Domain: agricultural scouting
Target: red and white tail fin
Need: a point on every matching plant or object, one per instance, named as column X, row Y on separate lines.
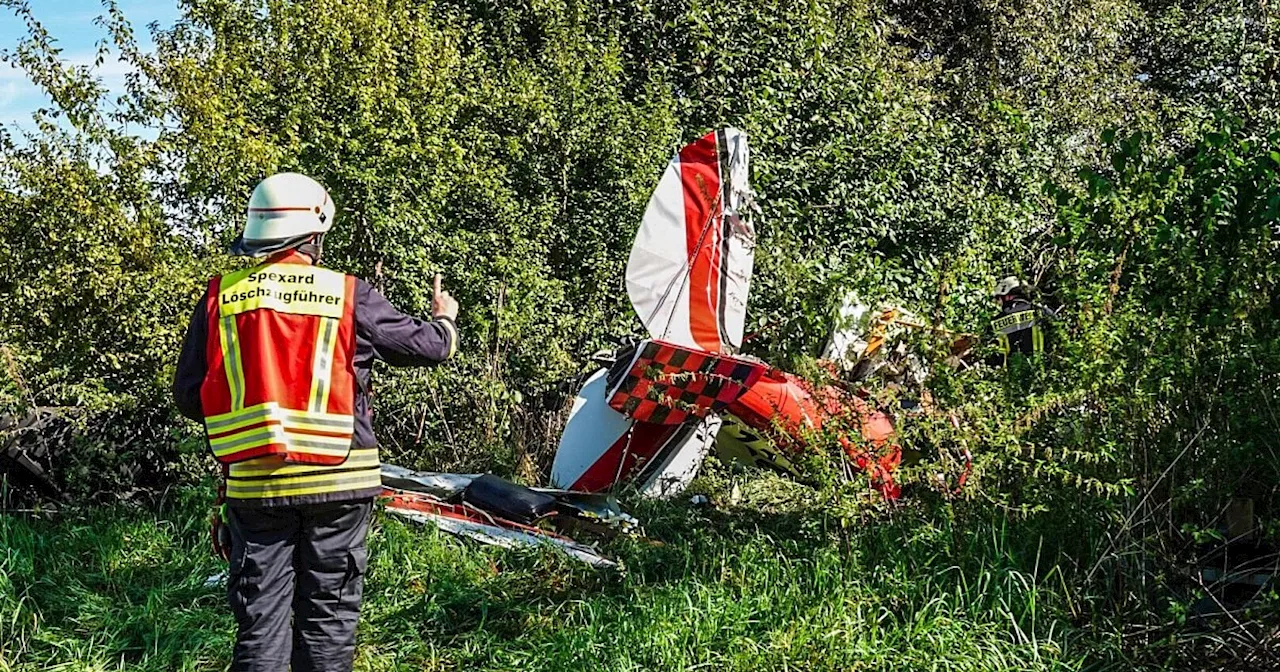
column 690, row 268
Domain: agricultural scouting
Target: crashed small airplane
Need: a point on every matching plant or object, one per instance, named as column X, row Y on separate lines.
column 649, row 418
column 646, row 420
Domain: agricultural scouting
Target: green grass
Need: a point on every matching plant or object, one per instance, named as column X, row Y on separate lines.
column 120, row 588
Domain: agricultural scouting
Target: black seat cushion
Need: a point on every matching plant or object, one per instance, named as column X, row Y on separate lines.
column 508, row 500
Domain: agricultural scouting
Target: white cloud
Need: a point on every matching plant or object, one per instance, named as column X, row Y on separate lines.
column 14, row 81
column 10, row 73
column 8, row 93
column 19, row 97
column 111, row 68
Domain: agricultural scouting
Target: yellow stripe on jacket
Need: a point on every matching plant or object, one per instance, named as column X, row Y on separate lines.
column 271, row 478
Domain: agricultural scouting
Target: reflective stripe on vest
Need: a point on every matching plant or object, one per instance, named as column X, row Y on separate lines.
column 322, row 364
column 272, row 403
column 1007, row 324
column 251, row 432
column 272, row 479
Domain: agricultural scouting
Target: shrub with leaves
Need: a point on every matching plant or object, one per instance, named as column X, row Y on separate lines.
column 900, row 153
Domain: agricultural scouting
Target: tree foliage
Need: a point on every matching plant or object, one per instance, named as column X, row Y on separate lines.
column 901, row 151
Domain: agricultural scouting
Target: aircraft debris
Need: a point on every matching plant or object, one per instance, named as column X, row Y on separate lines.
column 494, row 511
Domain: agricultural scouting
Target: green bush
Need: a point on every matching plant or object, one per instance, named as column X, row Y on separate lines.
column 900, row 152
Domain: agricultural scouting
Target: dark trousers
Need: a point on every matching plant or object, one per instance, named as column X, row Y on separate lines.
column 307, row 561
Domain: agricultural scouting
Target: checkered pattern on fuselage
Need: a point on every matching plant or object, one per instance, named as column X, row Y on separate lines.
column 669, row 384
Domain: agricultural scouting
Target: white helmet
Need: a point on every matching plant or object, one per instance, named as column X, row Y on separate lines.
column 285, row 211
column 1007, row 286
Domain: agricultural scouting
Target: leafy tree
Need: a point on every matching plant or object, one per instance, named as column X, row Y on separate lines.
column 900, row 150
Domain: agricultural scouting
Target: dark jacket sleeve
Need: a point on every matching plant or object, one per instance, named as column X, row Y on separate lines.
column 191, row 365
column 398, row 339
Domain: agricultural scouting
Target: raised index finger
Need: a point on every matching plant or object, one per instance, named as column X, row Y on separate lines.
column 437, row 284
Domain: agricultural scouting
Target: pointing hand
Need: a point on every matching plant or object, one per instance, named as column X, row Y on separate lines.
column 442, row 304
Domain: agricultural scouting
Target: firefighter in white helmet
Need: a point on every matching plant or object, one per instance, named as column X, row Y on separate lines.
column 276, row 365
column 286, row 211
column 1020, row 326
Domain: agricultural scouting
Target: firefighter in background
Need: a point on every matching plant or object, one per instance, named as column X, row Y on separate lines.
column 276, row 366
column 1020, row 326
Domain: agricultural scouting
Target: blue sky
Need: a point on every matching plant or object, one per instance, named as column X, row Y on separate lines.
column 71, row 23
